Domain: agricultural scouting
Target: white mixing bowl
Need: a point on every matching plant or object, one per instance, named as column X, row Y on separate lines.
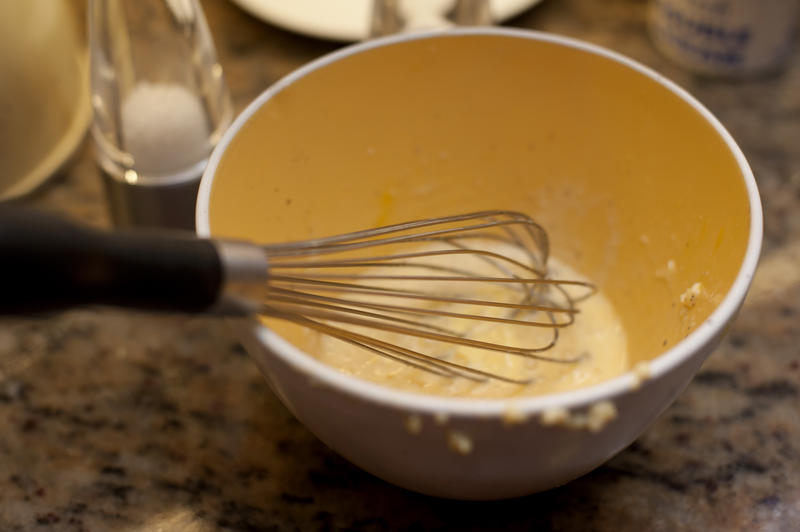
column 638, row 185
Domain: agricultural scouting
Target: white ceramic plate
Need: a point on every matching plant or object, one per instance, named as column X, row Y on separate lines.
column 343, row 20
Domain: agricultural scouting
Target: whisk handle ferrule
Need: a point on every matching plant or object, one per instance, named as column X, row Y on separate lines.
column 245, row 270
column 49, row 264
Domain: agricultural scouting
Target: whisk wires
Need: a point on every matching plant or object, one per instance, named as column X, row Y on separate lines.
column 431, row 279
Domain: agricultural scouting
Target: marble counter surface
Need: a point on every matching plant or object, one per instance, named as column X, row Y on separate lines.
column 121, row 421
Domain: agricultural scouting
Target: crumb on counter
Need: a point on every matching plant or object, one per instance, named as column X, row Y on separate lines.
column 440, row 418
column 413, row 424
column 689, row 297
column 459, row 442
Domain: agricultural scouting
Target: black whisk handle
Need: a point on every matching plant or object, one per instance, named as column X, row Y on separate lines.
column 49, row 263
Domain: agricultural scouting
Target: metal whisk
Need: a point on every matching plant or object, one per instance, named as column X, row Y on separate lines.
column 320, row 284
column 431, row 279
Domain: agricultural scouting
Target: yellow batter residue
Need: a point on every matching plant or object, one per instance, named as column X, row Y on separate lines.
column 596, row 337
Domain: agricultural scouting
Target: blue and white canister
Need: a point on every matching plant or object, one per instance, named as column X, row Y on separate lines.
column 725, row 37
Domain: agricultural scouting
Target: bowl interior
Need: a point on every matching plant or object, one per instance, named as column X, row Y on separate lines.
column 635, row 187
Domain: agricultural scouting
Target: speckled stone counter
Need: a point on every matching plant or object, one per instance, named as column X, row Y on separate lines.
column 112, row 420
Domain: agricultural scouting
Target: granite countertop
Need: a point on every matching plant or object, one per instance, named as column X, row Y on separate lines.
column 122, row 421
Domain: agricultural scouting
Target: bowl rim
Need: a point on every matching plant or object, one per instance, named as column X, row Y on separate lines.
column 322, row 374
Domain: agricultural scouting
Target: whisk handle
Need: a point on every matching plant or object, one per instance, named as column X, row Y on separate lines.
column 49, row 263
